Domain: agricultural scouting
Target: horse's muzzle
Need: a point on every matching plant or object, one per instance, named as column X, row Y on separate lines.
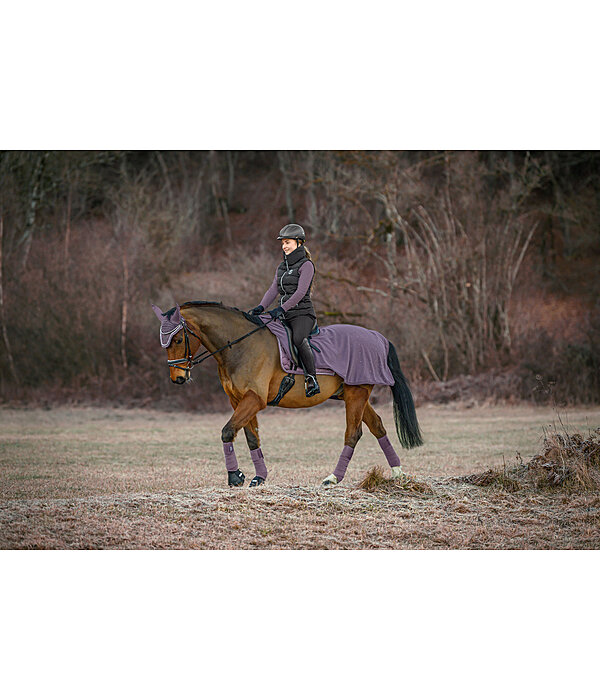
column 179, row 380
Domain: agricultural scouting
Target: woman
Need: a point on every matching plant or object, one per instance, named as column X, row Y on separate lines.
column 292, row 281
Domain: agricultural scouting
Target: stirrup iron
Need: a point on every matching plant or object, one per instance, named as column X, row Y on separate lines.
column 315, row 389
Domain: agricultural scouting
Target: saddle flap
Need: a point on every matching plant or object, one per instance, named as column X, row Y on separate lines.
column 293, row 352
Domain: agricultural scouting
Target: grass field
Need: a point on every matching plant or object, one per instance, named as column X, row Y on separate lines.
column 104, row 478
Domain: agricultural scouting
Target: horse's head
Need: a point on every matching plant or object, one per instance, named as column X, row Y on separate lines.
column 180, row 342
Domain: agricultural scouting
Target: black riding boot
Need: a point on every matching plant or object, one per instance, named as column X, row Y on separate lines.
column 310, row 376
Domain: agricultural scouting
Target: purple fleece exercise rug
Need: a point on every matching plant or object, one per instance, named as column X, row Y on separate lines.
column 357, row 355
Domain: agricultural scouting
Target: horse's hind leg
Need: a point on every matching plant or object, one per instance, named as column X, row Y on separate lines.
column 253, row 440
column 356, row 398
column 245, row 410
column 375, row 425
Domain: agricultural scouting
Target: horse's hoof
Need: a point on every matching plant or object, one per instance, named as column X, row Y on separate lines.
column 397, row 473
column 236, row 478
column 257, row 481
column 331, row 480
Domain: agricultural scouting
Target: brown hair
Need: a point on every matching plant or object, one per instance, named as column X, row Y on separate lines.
column 308, row 255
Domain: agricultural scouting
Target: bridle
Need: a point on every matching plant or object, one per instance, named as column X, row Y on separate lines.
column 188, row 361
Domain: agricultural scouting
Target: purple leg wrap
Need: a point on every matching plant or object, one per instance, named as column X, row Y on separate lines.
column 389, row 451
column 230, row 458
column 343, row 462
column 259, row 462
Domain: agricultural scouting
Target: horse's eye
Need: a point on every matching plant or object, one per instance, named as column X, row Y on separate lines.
column 179, row 340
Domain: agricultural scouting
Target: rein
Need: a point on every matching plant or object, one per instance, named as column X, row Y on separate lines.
column 189, row 362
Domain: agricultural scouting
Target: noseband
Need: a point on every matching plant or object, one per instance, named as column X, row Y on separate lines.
column 188, row 361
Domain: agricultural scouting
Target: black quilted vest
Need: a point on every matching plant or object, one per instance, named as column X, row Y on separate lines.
column 287, row 283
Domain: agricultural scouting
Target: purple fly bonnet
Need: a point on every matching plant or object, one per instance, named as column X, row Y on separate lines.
column 168, row 326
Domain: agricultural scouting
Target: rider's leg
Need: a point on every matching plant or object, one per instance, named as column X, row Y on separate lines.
column 301, row 327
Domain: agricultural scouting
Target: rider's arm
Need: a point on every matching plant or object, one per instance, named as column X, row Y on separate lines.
column 307, row 272
column 270, row 294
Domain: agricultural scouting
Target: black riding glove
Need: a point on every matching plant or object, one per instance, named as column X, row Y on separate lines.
column 256, row 310
column 277, row 312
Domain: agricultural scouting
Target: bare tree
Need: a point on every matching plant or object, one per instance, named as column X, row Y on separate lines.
column 221, row 203
column 11, row 362
column 284, row 166
column 463, row 267
column 34, row 201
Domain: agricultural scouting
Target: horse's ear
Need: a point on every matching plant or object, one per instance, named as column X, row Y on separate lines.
column 158, row 312
column 176, row 317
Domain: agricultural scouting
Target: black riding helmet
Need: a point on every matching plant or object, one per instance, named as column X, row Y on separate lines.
column 292, row 231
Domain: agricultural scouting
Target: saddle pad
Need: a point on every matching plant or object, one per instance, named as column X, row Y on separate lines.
column 356, row 354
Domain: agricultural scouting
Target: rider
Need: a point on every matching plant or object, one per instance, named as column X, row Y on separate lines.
column 292, row 281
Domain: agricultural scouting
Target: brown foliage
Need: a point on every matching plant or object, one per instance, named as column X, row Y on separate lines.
column 568, row 461
column 436, row 250
column 375, row 481
column 492, row 477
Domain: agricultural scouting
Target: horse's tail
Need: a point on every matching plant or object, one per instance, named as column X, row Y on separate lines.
column 405, row 416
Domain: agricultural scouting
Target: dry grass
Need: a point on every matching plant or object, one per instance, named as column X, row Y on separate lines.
column 376, row 481
column 95, row 478
column 569, row 461
column 492, row 477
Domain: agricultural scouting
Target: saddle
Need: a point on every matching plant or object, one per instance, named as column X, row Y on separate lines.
column 293, row 350
column 288, row 381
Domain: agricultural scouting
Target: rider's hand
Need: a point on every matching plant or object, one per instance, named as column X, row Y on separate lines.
column 256, row 310
column 278, row 312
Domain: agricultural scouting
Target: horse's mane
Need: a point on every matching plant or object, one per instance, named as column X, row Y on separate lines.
column 218, row 304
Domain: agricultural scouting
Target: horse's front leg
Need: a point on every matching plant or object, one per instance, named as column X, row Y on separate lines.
column 253, row 440
column 244, row 412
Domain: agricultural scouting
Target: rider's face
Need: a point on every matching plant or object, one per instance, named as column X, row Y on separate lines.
column 288, row 245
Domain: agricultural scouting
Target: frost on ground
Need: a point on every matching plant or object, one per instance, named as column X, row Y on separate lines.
column 453, row 515
column 98, row 479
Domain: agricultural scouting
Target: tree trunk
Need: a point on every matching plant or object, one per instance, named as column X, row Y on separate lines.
column 165, row 172
column 34, row 200
column 231, row 177
column 68, row 228
column 124, row 307
column 221, row 206
column 310, row 193
column 11, row 363
column 284, row 167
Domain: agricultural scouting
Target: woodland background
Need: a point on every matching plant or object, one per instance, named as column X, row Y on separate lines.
column 482, row 267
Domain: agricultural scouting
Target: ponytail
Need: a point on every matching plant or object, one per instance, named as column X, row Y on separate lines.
column 308, row 255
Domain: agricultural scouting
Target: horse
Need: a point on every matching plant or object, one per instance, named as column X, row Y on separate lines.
column 251, row 375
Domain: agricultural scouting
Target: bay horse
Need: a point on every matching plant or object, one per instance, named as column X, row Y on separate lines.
column 251, row 375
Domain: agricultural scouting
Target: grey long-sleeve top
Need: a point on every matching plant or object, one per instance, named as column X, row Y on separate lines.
column 307, row 272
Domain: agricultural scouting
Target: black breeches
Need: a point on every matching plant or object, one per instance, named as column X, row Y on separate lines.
column 301, row 326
